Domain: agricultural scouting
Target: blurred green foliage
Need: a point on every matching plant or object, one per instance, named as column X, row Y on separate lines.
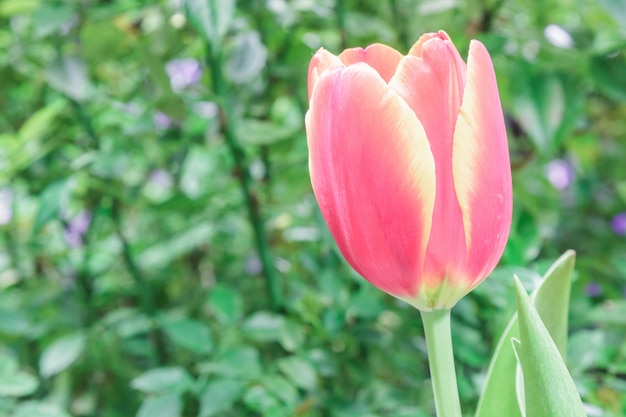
column 135, row 274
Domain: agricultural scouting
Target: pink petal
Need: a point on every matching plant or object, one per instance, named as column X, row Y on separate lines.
column 382, row 58
column 432, row 83
column 373, row 176
column 321, row 61
column 482, row 171
column 416, row 49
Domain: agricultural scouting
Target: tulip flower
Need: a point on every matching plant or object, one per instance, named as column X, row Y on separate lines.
column 409, row 164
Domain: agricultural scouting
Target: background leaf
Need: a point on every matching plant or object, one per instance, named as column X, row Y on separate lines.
column 210, row 17
column 61, row 353
column 168, row 405
column 170, row 272
column 190, row 334
column 163, row 380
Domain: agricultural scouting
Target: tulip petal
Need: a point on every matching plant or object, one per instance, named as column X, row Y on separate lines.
column 416, row 50
column 482, row 171
column 384, row 59
column 373, row 176
column 321, row 61
column 431, row 81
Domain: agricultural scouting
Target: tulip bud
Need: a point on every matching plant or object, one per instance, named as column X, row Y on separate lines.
column 409, row 164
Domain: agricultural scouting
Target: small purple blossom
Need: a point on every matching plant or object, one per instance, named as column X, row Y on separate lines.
column 183, row 73
column 160, row 178
column 76, row 229
column 161, row 121
column 618, row 223
column 560, row 173
column 253, row 266
column 593, row 289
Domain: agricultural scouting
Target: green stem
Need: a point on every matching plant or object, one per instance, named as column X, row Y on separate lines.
column 245, row 181
column 400, row 23
column 341, row 22
column 441, row 361
column 146, row 296
column 86, row 121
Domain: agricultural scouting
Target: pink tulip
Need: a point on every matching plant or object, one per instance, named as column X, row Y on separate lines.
column 409, row 163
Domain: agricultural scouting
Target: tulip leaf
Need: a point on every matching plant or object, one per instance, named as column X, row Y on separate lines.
column 548, row 387
column 499, row 392
column 551, row 299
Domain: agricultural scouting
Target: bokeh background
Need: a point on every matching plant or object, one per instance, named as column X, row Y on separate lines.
column 161, row 252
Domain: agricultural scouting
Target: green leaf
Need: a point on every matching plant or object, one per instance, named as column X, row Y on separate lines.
column 616, row 9
column 552, row 300
column 265, row 326
column 168, row 405
column 607, row 73
column 68, row 75
column 50, row 201
column 263, row 132
column 50, row 18
column 246, row 59
column 13, row 382
column 211, row 18
column 163, row 253
column 226, row 305
column 545, row 105
column 10, row 8
column 38, row 409
column 163, row 380
column 219, row 395
column 548, row 387
column 259, row 399
column 61, row 353
column 283, row 389
column 18, row 384
column 611, row 312
column 8, row 364
column 190, row 334
column 236, row 363
column 30, row 143
column 39, row 123
column 293, row 336
column 299, row 371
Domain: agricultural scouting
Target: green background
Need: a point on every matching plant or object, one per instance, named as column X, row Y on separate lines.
column 159, row 304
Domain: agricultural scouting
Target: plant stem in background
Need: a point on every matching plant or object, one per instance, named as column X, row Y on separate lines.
column 441, row 361
column 400, row 24
column 341, row 22
column 86, row 122
column 146, row 297
column 84, row 279
column 245, row 181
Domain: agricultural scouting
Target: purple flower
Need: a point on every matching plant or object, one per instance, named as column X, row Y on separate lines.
column 253, row 265
column 76, row 229
column 161, row 120
column 160, row 178
column 593, row 289
column 560, row 173
column 618, row 223
column 183, row 73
